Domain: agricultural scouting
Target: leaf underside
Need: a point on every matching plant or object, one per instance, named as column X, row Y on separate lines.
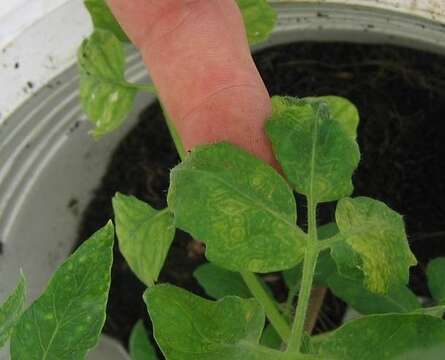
column 139, row 345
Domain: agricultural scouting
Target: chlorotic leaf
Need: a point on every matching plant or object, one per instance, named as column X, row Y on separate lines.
column 218, row 282
column 11, row 310
column 436, row 279
column 144, row 235
column 345, row 112
column 104, row 19
column 377, row 234
column 259, row 19
column 240, row 207
column 105, row 95
column 189, row 327
column 65, row 322
column 317, row 151
column 140, row 345
column 387, row 337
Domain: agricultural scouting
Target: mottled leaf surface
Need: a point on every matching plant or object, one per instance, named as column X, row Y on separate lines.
column 436, row 279
column 317, row 151
column 218, row 282
column 259, row 19
column 11, row 310
column 103, row 18
column 65, row 322
column 240, row 207
column 189, row 327
column 377, row 234
column 387, row 337
column 140, row 346
column 144, row 235
column 105, row 95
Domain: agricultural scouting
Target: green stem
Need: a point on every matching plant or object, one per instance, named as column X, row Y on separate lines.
column 268, row 304
column 329, row 243
column 149, row 88
column 174, row 133
column 310, row 261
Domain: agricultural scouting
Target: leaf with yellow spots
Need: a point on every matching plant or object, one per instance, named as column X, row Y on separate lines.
column 65, row 322
column 377, row 234
column 239, row 206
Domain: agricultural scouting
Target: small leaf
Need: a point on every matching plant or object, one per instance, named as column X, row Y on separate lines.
column 377, row 234
column 11, row 310
column 189, row 327
column 65, row 322
column 270, row 338
column 218, row 282
column 317, row 151
column 144, row 234
column 240, row 207
column 387, row 337
column 436, row 279
column 139, row 344
column 104, row 19
column 259, row 19
column 105, row 95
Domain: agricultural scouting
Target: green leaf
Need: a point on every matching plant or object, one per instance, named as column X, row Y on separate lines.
column 239, row 206
column 218, row 282
column 399, row 299
column 387, row 337
column 270, row 338
column 377, row 234
column 105, row 95
column 189, row 327
column 346, row 113
column 436, row 279
column 104, row 19
column 144, row 234
column 259, row 19
column 65, row 322
column 11, row 310
column 139, row 344
column 317, row 151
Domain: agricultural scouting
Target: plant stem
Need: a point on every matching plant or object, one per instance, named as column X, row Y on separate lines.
column 174, row 133
column 310, row 261
column 328, row 243
column 149, row 88
column 268, row 304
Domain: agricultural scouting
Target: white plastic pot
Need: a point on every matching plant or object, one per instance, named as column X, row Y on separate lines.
column 49, row 165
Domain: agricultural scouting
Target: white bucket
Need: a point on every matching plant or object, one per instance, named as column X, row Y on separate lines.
column 49, row 165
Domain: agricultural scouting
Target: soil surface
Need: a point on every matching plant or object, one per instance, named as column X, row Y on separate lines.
column 400, row 94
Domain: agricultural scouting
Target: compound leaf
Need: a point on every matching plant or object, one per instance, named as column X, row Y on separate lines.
column 218, row 282
column 144, row 235
column 316, row 149
column 139, row 345
column 104, row 19
column 65, row 322
column 259, row 19
column 105, row 95
column 187, row 326
column 377, row 234
column 11, row 310
column 436, row 279
column 239, row 206
column 387, row 337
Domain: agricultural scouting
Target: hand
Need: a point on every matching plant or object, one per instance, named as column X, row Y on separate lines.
column 200, row 62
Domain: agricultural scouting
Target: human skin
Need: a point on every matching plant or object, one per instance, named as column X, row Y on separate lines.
column 199, row 59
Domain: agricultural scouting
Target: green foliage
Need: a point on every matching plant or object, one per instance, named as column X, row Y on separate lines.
column 144, row 234
column 387, row 337
column 270, row 338
column 11, row 310
column 105, row 95
column 103, row 18
column 240, row 207
column 317, row 151
column 436, row 279
column 139, row 344
column 187, row 326
column 259, row 18
column 377, row 234
column 66, row 320
column 218, row 282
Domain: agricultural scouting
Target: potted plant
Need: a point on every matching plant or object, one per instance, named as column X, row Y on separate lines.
column 325, row 112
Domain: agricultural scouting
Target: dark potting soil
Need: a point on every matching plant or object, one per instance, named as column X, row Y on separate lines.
column 400, row 94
